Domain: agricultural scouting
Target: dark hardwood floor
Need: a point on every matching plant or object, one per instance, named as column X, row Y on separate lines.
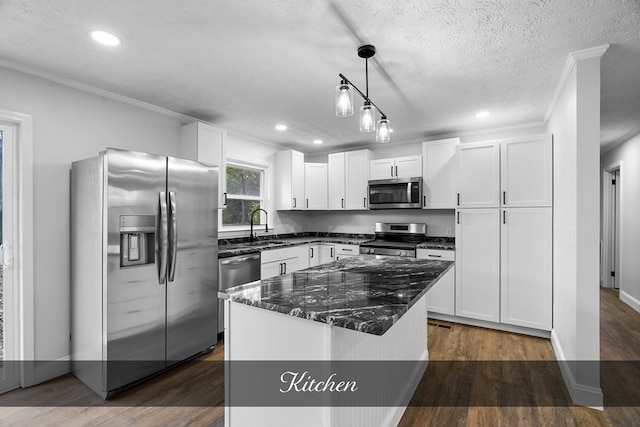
column 472, row 369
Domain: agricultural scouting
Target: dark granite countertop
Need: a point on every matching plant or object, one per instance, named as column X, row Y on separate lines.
column 367, row 293
column 243, row 246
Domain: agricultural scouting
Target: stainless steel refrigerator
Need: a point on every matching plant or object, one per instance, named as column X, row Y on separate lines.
column 144, row 268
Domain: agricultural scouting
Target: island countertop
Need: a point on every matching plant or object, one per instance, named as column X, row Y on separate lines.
column 366, row 293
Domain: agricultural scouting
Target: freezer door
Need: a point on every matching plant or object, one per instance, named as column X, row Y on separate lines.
column 192, row 303
column 135, row 300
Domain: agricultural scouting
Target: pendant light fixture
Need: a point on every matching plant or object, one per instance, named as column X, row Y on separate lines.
column 344, row 101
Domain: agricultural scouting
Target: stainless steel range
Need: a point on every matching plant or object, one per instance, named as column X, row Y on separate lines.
column 396, row 239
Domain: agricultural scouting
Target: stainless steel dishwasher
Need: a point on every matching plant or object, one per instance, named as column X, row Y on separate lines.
column 235, row 271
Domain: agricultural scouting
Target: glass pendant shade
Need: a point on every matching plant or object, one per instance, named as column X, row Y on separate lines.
column 383, row 133
column 344, row 100
column 367, row 118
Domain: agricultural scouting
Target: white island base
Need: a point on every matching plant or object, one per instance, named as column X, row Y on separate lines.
column 253, row 333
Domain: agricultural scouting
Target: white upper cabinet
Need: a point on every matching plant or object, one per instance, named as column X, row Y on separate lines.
column 357, row 179
column 477, row 177
column 526, row 280
column 315, row 186
column 438, row 170
column 526, row 171
column 398, row 167
column 348, row 180
column 289, row 180
column 337, row 179
column 205, row 143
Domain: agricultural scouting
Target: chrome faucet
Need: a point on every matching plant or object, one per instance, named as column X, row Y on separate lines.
column 266, row 225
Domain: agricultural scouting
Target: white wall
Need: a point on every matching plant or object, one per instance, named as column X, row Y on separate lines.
column 629, row 154
column 575, row 125
column 68, row 125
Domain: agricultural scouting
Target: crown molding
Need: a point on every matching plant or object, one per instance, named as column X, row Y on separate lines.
column 573, row 58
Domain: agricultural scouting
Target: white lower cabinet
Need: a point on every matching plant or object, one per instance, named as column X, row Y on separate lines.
column 477, row 281
column 526, row 267
column 326, row 253
column 441, row 297
column 275, row 262
column 314, row 255
column 345, row 251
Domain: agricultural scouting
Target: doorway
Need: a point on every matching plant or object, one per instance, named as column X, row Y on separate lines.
column 611, row 268
column 9, row 369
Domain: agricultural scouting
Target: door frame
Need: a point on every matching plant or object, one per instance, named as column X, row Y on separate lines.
column 23, row 252
column 608, row 225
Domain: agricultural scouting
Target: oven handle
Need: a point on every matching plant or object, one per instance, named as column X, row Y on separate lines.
column 409, row 192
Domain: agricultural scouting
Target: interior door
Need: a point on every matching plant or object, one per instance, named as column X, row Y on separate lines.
column 135, row 298
column 192, row 302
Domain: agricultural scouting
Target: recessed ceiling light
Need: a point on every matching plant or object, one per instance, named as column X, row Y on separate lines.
column 482, row 114
column 281, row 127
column 105, row 38
column 317, row 141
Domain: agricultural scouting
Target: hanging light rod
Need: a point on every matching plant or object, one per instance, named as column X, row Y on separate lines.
column 344, row 100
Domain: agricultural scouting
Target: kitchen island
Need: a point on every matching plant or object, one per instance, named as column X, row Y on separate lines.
column 344, row 343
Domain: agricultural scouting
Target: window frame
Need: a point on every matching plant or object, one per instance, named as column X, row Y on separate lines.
column 264, row 198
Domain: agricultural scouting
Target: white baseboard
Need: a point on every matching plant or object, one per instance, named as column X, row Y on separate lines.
column 580, row 394
column 45, row 371
column 630, row 300
column 490, row 325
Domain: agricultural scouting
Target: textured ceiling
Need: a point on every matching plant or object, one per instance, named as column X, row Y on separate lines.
column 250, row 64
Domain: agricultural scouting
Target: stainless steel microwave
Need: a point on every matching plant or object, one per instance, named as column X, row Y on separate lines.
column 399, row 193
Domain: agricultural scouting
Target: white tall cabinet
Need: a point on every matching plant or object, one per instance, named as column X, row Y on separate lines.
column 478, row 264
column 207, row 144
column 438, row 171
column 337, row 180
column 504, row 231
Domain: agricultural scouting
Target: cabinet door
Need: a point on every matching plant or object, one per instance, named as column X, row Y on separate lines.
column 441, row 297
column 303, row 256
column 336, row 178
column 327, row 253
column 314, row 255
column 478, row 264
column 207, row 144
column 315, row 186
column 382, row 169
column 478, row 174
column 408, row 167
column 526, row 171
column 438, row 169
column 270, row 269
column 526, row 274
column 345, row 250
column 289, row 172
column 357, row 179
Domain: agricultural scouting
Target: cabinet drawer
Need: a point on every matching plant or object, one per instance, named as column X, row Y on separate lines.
column 271, row 255
column 342, row 249
column 441, row 255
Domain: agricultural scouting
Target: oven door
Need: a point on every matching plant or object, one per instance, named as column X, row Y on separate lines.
column 395, row 193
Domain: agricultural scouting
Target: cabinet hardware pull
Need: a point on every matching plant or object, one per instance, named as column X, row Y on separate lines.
column 347, row 250
column 307, row 203
column 331, row 250
column 225, row 199
column 458, row 199
column 280, row 268
column 391, row 171
column 311, row 252
column 294, row 202
column 424, row 200
column 285, row 267
column 458, row 221
column 435, row 256
column 365, row 202
column 342, row 202
column 504, row 197
column 504, row 217
column 396, row 171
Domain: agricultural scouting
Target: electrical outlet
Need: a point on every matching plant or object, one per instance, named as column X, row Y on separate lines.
column 449, row 231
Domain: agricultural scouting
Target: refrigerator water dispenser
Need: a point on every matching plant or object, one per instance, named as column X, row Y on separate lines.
column 137, row 240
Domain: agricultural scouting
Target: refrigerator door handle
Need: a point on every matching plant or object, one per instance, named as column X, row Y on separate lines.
column 162, row 239
column 173, row 214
